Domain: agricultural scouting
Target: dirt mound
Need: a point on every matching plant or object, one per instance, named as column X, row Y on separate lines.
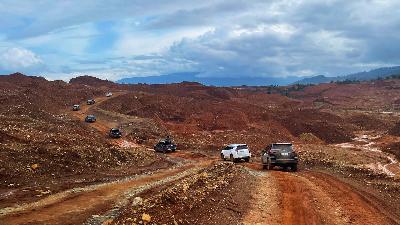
column 326, row 126
column 91, row 81
column 367, row 122
column 199, row 199
column 310, row 138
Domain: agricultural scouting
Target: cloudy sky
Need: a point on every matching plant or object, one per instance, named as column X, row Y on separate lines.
column 249, row 38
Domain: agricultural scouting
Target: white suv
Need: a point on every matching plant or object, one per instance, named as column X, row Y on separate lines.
column 236, row 152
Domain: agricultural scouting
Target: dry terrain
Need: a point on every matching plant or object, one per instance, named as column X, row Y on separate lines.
column 57, row 169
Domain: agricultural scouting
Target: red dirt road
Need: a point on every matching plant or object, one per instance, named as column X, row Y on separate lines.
column 75, row 208
column 319, row 198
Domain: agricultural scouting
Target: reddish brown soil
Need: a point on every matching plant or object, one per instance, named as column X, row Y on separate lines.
column 373, row 95
column 60, row 208
column 45, row 148
column 395, row 130
column 216, row 195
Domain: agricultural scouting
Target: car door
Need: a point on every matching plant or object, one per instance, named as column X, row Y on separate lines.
column 227, row 151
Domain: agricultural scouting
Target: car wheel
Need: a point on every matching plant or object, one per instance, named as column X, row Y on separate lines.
column 294, row 167
column 247, row 159
column 264, row 166
column 232, row 159
column 223, row 157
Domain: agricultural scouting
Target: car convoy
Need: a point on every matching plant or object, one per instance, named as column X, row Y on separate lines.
column 275, row 154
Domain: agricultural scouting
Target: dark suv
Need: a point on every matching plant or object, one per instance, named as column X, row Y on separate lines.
column 165, row 146
column 90, row 101
column 115, row 133
column 279, row 154
column 90, row 119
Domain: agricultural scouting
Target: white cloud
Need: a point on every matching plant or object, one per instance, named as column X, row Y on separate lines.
column 133, row 42
column 19, row 59
column 217, row 37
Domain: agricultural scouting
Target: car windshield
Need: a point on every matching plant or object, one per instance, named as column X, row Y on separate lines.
column 228, row 148
column 283, row 147
column 115, row 130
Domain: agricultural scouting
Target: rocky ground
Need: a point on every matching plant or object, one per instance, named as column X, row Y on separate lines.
column 56, row 169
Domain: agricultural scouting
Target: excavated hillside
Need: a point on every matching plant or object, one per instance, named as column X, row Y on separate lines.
column 41, row 145
column 202, row 117
column 57, row 169
column 375, row 95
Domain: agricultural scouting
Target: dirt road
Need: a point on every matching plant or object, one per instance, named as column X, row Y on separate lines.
column 77, row 205
column 314, row 198
column 101, row 125
column 279, row 197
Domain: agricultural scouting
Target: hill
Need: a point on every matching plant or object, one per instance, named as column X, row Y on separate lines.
column 361, row 76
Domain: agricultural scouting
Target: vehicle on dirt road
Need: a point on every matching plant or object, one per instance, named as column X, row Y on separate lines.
column 115, row 133
column 76, row 107
column 165, row 146
column 109, row 94
column 90, row 101
column 279, row 154
column 90, row 119
column 236, row 152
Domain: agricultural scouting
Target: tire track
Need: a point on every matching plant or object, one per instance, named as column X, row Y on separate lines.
column 319, row 198
column 75, row 206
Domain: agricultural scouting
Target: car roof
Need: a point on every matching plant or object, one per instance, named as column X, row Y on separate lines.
column 91, row 116
column 234, row 145
column 282, row 143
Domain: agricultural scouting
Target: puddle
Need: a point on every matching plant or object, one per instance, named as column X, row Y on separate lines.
column 368, row 146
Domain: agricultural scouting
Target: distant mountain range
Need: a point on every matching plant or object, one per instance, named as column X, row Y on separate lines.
column 216, row 81
column 367, row 75
column 258, row 81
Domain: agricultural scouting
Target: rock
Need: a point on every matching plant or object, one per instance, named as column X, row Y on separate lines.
column 137, row 201
column 35, row 166
column 107, row 222
column 397, row 177
column 146, row 217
